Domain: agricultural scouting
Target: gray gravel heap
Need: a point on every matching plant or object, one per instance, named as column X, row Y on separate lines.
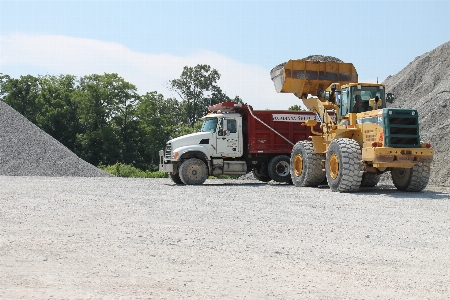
column 424, row 84
column 26, row 150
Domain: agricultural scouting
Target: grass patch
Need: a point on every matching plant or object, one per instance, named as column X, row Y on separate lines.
column 123, row 170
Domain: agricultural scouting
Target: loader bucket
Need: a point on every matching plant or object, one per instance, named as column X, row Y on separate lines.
column 308, row 77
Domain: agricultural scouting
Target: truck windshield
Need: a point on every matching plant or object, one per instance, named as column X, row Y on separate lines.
column 209, row 125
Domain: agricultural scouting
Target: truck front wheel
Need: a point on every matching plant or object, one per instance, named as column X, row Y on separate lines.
column 193, row 171
column 176, row 178
column 414, row 179
column 278, row 168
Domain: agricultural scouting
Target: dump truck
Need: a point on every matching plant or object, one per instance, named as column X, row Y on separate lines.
column 235, row 140
column 366, row 138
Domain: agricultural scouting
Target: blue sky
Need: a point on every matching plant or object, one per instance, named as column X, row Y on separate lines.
column 149, row 42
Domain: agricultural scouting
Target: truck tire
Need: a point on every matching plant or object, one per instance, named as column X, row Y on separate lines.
column 410, row 180
column 176, row 178
column 343, row 165
column 278, row 168
column 260, row 175
column 193, row 171
column 370, row 179
column 306, row 165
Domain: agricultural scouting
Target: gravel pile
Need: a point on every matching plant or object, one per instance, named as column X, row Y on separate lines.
column 424, row 84
column 26, row 150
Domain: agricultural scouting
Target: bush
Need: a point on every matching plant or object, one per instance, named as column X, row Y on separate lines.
column 123, row 170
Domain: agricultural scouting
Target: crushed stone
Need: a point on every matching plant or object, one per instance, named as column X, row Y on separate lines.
column 26, row 150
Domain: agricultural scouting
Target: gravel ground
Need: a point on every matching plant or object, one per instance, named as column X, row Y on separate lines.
column 117, row 238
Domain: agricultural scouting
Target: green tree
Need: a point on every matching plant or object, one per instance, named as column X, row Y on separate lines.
column 159, row 119
column 58, row 115
column 198, row 89
column 21, row 94
column 106, row 111
column 296, row 107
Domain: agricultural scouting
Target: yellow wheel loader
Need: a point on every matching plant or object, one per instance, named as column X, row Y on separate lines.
column 361, row 139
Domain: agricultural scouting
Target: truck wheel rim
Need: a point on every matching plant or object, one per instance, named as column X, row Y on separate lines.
column 298, row 165
column 334, row 166
column 282, row 168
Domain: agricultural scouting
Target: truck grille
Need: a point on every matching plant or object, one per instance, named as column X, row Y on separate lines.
column 168, row 153
column 401, row 128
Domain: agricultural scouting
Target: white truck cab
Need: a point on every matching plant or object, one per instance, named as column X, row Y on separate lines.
column 219, row 138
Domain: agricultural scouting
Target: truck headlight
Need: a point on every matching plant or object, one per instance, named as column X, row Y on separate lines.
column 175, row 154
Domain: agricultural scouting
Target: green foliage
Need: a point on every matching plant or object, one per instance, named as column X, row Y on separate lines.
column 123, row 170
column 198, row 89
column 102, row 119
column 296, row 107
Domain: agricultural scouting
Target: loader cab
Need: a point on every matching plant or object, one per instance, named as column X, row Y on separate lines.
column 357, row 98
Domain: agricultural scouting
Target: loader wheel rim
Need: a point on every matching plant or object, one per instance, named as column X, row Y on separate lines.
column 334, row 166
column 298, row 165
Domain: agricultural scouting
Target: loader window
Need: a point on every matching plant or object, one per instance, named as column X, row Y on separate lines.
column 344, row 102
column 362, row 99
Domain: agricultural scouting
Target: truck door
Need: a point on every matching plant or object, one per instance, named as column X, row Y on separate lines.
column 229, row 138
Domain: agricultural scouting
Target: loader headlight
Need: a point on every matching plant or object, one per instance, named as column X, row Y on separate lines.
column 413, row 113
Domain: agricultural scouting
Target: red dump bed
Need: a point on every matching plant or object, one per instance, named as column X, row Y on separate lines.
column 263, row 140
column 288, row 123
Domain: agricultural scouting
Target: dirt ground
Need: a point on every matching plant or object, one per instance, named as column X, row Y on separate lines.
column 116, row 238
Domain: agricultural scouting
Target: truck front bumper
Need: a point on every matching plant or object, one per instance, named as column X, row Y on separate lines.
column 164, row 166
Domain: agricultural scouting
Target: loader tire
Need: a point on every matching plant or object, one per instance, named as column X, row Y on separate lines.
column 370, row 179
column 176, row 178
column 278, row 168
column 261, row 175
column 306, row 165
column 410, row 180
column 343, row 165
column 193, row 172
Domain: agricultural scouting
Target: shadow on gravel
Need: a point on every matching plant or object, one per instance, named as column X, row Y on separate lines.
column 390, row 191
column 234, row 184
column 380, row 190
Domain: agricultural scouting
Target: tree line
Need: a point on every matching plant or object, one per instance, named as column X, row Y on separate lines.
column 104, row 120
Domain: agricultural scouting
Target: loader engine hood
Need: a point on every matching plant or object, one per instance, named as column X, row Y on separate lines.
column 199, row 141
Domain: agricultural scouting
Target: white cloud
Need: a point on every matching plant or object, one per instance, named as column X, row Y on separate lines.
column 149, row 72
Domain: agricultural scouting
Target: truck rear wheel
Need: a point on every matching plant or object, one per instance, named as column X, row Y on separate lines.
column 261, row 175
column 343, row 165
column 370, row 179
column 411, row 180
column 278, row 168
column 306, row 165
column 193, row 171
column 176, row 178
